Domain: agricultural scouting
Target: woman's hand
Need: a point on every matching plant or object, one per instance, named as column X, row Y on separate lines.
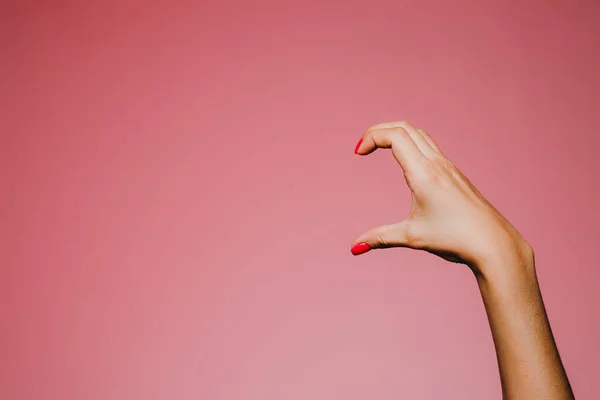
column 449, row 217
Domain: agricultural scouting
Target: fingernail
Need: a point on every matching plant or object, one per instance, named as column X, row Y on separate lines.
column 360, row 248
column 357, row 146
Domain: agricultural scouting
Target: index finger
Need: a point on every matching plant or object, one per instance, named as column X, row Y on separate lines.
column 404, row 149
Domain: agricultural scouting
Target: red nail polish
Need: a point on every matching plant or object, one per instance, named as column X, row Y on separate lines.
column 360, row 248
column 357, row 146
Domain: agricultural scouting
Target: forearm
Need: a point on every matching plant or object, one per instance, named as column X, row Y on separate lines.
column 529, row 362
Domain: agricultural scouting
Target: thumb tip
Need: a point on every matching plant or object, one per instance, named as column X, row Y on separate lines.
column 360, row 248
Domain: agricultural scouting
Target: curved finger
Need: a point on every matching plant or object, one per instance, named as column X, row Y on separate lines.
column 421, row 142
column 399, row 140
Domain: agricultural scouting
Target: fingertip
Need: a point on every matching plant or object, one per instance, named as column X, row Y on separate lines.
column 358, row 146
column 360, row 248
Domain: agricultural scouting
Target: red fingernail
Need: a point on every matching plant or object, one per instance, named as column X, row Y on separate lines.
column 360, row 248
column 357, row 146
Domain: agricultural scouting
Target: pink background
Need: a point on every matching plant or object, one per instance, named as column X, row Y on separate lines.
column 179, row 194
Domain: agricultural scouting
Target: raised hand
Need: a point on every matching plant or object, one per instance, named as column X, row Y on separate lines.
column 449, row 217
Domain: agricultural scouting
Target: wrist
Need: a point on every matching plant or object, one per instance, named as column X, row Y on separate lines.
column 511, row 266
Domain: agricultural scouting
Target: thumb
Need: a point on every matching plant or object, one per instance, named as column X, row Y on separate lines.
column 394, row 235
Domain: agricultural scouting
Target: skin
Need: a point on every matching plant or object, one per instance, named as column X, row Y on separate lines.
column 451, row 219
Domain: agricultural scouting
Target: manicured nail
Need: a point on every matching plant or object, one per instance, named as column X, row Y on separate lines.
column 357, row 146
column 360, row 248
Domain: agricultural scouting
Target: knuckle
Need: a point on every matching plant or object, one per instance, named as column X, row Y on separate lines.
column 399, row 132
column 375, row 137
column 382, row 236
column 381, row 240
column 396, row 135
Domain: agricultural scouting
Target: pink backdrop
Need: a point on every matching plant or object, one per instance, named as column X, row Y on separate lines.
column 179, row 194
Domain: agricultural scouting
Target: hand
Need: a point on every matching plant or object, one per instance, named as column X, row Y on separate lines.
column 449, row 217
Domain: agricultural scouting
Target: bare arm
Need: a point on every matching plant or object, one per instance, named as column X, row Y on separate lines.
column 451, row 219
column 529, row 362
